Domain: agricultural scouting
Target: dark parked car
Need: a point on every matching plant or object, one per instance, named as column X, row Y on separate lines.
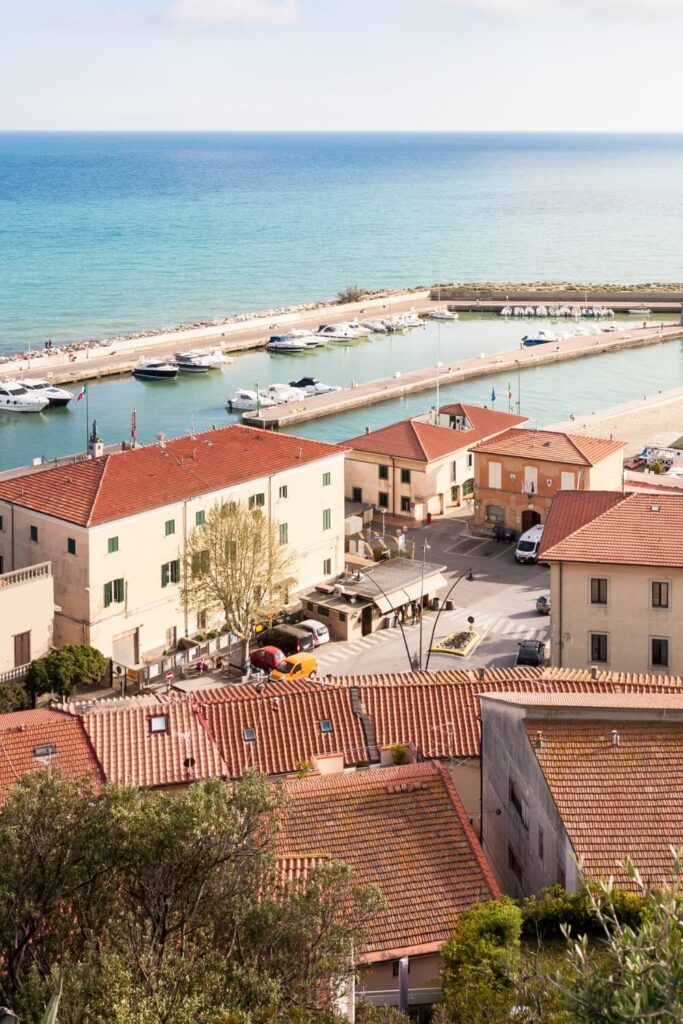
column 289, row 639
column 543, row 605
column 267, row 658
column 531, row 652
column 505, row 533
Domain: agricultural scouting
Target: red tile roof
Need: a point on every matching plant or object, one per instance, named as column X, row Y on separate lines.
column 424, row 442
column 402, row 829
column 23, row 733
column 573, row 509
column 125, row 483
column 551, row 446
column 638, row 529
column 131, row 754
column 616, row 800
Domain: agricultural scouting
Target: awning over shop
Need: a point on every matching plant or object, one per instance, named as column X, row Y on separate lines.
column 411, row 592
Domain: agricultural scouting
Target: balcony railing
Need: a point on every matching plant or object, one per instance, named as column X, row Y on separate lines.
column 32, row 572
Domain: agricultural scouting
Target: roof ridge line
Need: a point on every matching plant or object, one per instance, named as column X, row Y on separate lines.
column 93, row 503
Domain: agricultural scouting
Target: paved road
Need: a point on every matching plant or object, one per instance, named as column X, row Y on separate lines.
column 501, row 598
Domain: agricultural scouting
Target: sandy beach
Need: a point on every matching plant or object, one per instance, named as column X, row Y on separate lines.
column 637, row 423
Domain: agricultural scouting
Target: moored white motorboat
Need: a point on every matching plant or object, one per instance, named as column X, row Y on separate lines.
column 313, row 386
column 410, row 319
column 14, row 397
column 375, row 326
column 339, row 332
column 38, row 385
column 248, row 400
column 189, row 362
column 540, row 338
column 286, row 344
column 506, row 311
column 281, row 393
column 640, row 312
column 442, row 314
column 155, row 369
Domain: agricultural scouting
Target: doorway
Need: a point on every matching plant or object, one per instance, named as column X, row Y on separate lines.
column 366, row 620
column 530, row 518
column 22, row 649
column 125, row 648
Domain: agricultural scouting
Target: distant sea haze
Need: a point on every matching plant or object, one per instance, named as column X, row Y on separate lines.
column 109, row 233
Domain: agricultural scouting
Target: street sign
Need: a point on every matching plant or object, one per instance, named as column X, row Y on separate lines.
column 169, row 676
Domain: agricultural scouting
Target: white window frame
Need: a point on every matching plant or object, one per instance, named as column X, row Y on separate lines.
column 495, row 476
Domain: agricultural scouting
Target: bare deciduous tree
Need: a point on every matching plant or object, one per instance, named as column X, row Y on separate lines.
column 234, row 561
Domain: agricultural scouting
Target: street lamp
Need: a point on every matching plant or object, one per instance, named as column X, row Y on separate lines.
column 425, row 548
column 466, row 575
column 366, row 576
column 383, row 513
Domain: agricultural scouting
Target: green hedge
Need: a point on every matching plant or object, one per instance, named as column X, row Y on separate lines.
column 544, row 915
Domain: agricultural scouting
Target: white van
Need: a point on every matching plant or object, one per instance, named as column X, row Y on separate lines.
column 320, row 632
column 528, row 544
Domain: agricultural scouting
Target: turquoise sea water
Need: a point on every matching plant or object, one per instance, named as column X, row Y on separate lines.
column 104, row 233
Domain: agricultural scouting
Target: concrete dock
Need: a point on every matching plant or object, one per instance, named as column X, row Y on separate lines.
column 425, row 379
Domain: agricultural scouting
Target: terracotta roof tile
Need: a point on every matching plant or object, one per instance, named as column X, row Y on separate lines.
column 640, row 529
column 131, row 754
column 402, row 829
column 551, row 446
column 573, row 509
column 23, row 733
column 424, row 442
column 616, row 800
column 125, row 483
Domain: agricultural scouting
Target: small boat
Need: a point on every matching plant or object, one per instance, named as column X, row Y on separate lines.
column 410, row 319
column 442, row 314
column 14, row 397
column 189, row 362
column 285, row 343
column 215, row 357
column 540, row 338
column 312, row 386
column 56, row 396
column 248, row 400
column 155, row 369
column 376, row 326
column 640, row 312
column 339, row 332
column 506, row 311
column 281, row 393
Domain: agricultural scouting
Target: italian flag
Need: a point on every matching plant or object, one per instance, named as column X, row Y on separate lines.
column 81, row 393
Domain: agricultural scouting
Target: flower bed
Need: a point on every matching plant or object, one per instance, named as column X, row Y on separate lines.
column 462, row 643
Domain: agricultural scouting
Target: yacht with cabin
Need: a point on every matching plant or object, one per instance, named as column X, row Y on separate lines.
column 14, row 397
column 57, row 397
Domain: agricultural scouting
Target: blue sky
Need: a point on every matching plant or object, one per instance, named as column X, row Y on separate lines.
column 601, row 65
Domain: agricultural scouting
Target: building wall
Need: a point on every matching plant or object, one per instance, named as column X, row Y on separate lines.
column 27, row 605
column 149, row 610
column 508, row 759
column 513, row 496
column 628, row 619
column 378, row 985
column 430, row 483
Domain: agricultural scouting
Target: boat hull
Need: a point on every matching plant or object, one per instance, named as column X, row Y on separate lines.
column 155, row 374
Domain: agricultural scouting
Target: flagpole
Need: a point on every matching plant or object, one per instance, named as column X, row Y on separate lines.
column 87, row 419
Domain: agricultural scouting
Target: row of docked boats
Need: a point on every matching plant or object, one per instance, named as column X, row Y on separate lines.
column 32, row 395
column 545, row 337
column 562, row 312
column 182, row 363
column 244, row 400
column 343, row 333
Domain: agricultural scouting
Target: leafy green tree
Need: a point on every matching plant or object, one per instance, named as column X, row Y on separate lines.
column 13, row 696
column 481, row 960
column 65, row 668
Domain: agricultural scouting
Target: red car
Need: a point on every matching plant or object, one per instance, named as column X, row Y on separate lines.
column 267, row 658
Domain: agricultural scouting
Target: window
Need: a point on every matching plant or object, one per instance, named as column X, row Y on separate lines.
column 494, row 475
column 327, row 519
column 530, row 480
column 495, row 513
column 171, row 637
column 322, row 610
column 200, row 562
column 383, row 501
column 567, row 481
column 170, row 572
column 454, row 493
column 114, row 592
column 356, row 494
column 598, row 645
column 342, row 616
column 659, row 652
column 598, row 590
column 112, row 545
column 467, row 487
column 48, row 750
column 454, row 471
column 249, row 735
column 470, row 460
column 2, row 564
column 326, row 726
column 540, row 843
column 33, row 533
column 199, row 518
column 71, row 545
column 169, row 527
column 158, row 723
column 327, row 479
column 660, row 595
column 405, row 503
column 202, row 618
column 514, row 865
column 284, row 539
column 405, row 476
column 518, row 802
column 257, row 500
column 383, row 472
column 327, row 567
column 2, row 523
column 283, row 491
column 396, row 967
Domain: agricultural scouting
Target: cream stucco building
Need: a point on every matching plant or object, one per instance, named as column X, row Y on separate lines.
column 616, row 567
column 27, row 609
column 422, row 465
column 115, row 527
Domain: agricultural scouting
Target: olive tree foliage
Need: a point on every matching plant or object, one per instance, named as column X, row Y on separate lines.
column 634, row 974
column 235, row 562
column 166, row 909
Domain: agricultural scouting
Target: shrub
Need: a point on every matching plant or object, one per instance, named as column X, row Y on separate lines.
column 657, row 467
column 352, row 293
column 543, row 916
column 64, row 669
column 13, row 696
column 399, row 753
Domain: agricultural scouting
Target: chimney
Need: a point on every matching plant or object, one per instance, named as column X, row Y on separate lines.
column 367, row 430
column 615, row 738
column 482, row 673
column 299, row 453
column 594, row 671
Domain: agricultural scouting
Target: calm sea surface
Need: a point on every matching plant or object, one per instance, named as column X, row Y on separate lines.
column 106, row 233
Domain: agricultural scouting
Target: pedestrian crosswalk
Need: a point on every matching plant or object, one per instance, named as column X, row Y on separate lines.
column 485, row 625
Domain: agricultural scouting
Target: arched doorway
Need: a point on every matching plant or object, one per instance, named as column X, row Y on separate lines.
column 530, row 518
